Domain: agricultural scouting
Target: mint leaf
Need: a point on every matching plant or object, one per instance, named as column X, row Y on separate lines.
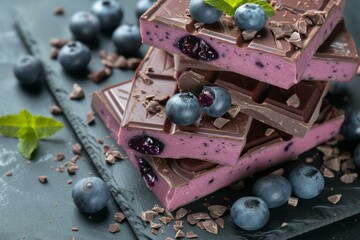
column 229, row 6
column 29, row 129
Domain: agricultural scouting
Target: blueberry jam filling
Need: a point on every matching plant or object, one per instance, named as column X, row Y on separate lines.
column 196, row 48
column 146, row 145
column 206, row 99
column 147, row 172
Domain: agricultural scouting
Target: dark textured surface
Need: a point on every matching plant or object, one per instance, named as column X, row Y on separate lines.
column 52, row 210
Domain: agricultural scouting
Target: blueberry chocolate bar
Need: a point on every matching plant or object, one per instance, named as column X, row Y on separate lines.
column 277, row 55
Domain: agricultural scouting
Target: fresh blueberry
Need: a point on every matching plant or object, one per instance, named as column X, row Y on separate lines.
column 203, row 12
column 250, row 213
column 109, row 13
column 357, row 155
column 215, row 100
column 74, row 56
column 147, row 172
column 274, row 190
column 306, row 181
column 146, row 145
column 250, row 17
column 28, row 70
column 183, row 109
column 127, row 38
column 85, row 26
column 196, row 48
column 142, row 6
column 351, row 126
column 90, row 194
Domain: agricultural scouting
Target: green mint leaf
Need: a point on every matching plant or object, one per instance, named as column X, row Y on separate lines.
column 227, row 6
column 29, row 129
column 27, row 142
column 46, row 127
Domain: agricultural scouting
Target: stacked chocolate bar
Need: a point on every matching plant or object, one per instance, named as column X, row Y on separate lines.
column 277, row 85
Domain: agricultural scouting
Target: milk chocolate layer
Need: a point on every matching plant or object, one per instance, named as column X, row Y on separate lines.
column 275, row 59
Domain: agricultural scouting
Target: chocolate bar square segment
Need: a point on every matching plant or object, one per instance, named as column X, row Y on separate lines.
column 280, row 62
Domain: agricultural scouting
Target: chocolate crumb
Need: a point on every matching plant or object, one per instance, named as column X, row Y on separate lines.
column 179, row 234
column 333, row 164
column 77, row 93
column 165, row 220
column 58, row 11
column 100, row 75
column 155, row 225
column 217, row 210
column 284, row 224
column 114, row 228
column 76, row 148
column 211, row 226
column 119, row 217
column 100, row 140
column 233, row 111
column 74, row 158
column 43, row 179
column 327, row 173
column 72, row 167
column 293, row 101
column 248, row 35
column 293, row 201
column 74, row 229
column 200, row 225
column 148, row 216
column 191, row 234
column 153, row 107
column 334, row 199
column 9, row 173
column 181, row 213
column 69, row 181
column 56, row 110
column 220, row 222
column 58, row 42
column 146, row 79
column 106, row 149
column 348, row 178
column 120, row 62
column 60, row 168
column 220, row 122
column 59, row 156
column 90, row 118
column 133, row 63
column 269, row 131
column 54, row 53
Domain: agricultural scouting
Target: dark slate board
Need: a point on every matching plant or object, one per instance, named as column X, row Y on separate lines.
column 39, row 25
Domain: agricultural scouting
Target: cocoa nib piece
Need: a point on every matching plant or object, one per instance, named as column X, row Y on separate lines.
column 77, row 92
column 42, row 179
column 100, row 75
column 56, row 110
column 90, row 118
column 114, row 228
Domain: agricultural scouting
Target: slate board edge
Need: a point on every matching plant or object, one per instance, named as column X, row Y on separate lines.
column 89, row 142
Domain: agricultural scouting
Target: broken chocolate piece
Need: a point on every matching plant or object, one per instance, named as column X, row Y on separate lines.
column 293, row 201
column 334, row 199
column 180, row 213
column 55, row 109
column 76, row 148
column 114, row 228
column 77, row 92
column 217, row 210
column 293, row 101
column 348, row 178
column 43, row 179
column 211, row 226
column 220, row 122
column 58, row 11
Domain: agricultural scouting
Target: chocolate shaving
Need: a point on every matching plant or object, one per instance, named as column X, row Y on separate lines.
column 348, row 178
column 114, row 228
column 58, row 11
column 77, row 92
column 217, row 210
column 90, row 118
column 220, row 122
column 180, row 213
column 334, row 199
column 293, row 201
column 211, row 226
column 220, row 222
column 179, row 234
column 248, row 35
column 76, row 148
column 146, row 79
column 43, row 179
column 56, row 110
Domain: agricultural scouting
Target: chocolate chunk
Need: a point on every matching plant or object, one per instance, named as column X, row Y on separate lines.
column 100, row 75
column 179, row 234
column 269, row 131
column 347, row 165
column 191, row 220
column 77, row 92
column 217, row 210
column 114, row 228
column 211, row 226
column 180, row 213
column 200, row 216
column 327, row 173
column 348, row 178
column 110, row 159
column 334, row 199
column 59, row 156
column 76, row 148
column 200, row 225
column 293, row 201
column 154, row 231
column 333, row 164
column 295, row 39
column 234, row 110
column 165, row 220
column 191, row 234
column 326, row 150
column 9, row 173
column 293, row 101
column 316, row 17
column 301, row 26
column 54, row 53
column 153, row 107
column 72, row 167
column 148, row 216
column 220, row 122
column 42, row 179
column 133, row 63
column 58, row 11
column 155, row 225
column 56, row 110
column 220, row 222
column 90, row 118
column 278, row 32
column 178, row 225
column 147, row 80
column 248, row 35
column 120, row 62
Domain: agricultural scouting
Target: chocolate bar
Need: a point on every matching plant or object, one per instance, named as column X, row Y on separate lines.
column 274, row 56
column 177, row 182
column 335, row 60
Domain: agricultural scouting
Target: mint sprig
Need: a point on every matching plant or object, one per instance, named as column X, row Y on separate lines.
column 29, row 129
column 229, row 6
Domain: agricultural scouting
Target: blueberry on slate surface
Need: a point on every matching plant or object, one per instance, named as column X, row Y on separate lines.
column 183, row 109
column 28, row 70
column 215, row 100
column 85, row 26
column 146, row 145
column 109, row 12
column 274, row 190
column 74, row 56
column 196, row 48
column 250, row 213
column 142, row 6
column 203, row 12
column 250, row 17
column 306, row 181
column 127, row 38
column 357, row 155
column 90, row 194
column 351, row 126
column 147, row 172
